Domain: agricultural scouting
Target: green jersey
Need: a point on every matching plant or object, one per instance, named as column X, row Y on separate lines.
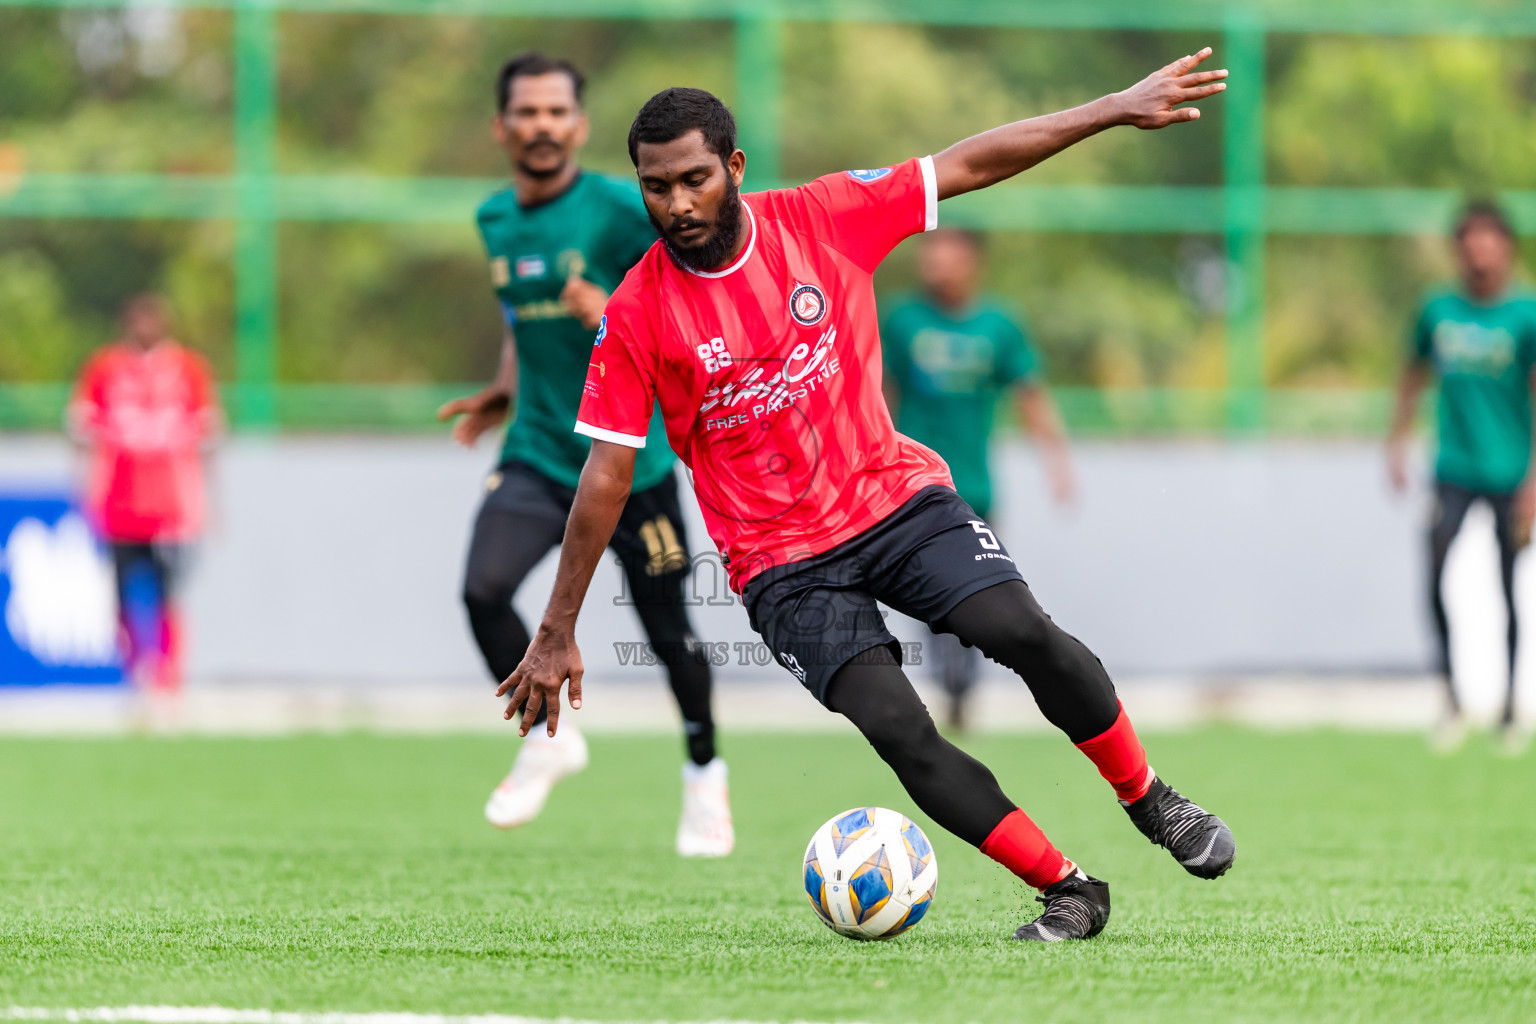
column 1483, row 355
column 597, row 228
column 950, row 368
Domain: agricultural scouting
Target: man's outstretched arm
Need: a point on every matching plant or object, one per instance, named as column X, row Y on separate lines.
column 999, row 154
column 488, row 409
column 552, row 657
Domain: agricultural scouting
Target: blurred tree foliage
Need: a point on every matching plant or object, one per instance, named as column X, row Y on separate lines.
column 147, row 90
column 135, row 91
column 1451, row 113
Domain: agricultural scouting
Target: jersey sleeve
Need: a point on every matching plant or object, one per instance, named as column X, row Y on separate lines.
column 1017, row 359
column 208, row 414
column 1526, row 344
column 83, row 415
column 1421, row 340
column 500, row 270
column 630, row 233
column 620, row 390
column 866, row 214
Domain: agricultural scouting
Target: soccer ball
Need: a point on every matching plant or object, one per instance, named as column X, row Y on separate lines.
column 870, row 873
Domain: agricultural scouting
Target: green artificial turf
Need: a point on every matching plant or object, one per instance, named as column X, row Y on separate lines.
column 1373, row 882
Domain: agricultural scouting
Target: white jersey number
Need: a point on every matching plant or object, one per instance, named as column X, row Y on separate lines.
column 985, row 536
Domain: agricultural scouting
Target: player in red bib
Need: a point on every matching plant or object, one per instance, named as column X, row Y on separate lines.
column 752, row 322
column 147, row 412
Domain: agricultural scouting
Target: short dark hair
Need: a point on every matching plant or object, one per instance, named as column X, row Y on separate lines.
column 673, row 113
column 531, row 65
column 1484, row 211
column 969, row 236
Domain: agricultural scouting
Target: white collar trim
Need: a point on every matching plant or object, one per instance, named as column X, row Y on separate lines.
column 746, row 253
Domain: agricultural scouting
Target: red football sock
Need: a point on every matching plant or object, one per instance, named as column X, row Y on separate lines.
column 1120, row 759
column 167, row 677
column 1018, row 845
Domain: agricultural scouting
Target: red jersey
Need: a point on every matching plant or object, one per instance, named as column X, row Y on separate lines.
column 768, row 371
column 145, row 416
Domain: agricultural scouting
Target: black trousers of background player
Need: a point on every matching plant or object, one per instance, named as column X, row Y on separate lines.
column 1451, row 505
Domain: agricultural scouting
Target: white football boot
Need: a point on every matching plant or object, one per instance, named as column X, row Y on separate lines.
column 1514, row 738
column 542, row 762
column 1449, row 733
column 706, row 829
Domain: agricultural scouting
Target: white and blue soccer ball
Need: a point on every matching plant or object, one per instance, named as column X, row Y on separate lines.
column 870, row 873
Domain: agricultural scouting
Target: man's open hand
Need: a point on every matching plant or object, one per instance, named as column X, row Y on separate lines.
column 484, row 411
column 1522, row 515
column 552, row 658
column 584, row 299
column 1154, row 101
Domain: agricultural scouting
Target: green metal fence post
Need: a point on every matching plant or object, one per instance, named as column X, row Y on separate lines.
column 759, row 86
column 255, row 223
column 1244, row 221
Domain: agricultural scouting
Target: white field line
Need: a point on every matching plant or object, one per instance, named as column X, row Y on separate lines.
column 224, row 1015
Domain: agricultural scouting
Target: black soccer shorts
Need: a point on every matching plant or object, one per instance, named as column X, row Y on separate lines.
column 651, row 539
column 819, row 613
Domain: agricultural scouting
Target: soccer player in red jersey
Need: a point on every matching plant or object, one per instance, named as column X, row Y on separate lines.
column 752, row 322
column 146, row 411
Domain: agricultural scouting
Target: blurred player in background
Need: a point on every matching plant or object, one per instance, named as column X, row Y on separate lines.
column 146, row 412
column 949, row 353
column 559, row 241
column 1479, row 342
column 753, row 325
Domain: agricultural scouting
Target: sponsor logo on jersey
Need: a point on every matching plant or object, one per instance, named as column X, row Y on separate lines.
column 713, row 354
column 501, row 276
column 542, row 309
column 602, row 331
column 868, row 175
column 807, row 305
column 1472, row 348
column 812, row 366
column 530, row 268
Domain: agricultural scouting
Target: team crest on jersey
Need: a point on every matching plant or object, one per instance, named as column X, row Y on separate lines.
column 870, row 174
column 602, row 331
column 569, row 262
column 530, row 268
column 807, row 305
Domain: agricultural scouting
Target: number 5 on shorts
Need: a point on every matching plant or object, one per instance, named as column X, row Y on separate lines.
column 985, row 536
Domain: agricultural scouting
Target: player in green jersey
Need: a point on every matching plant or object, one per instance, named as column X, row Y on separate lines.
column 1479, row 341
column 558, row 242
column 950, row 352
